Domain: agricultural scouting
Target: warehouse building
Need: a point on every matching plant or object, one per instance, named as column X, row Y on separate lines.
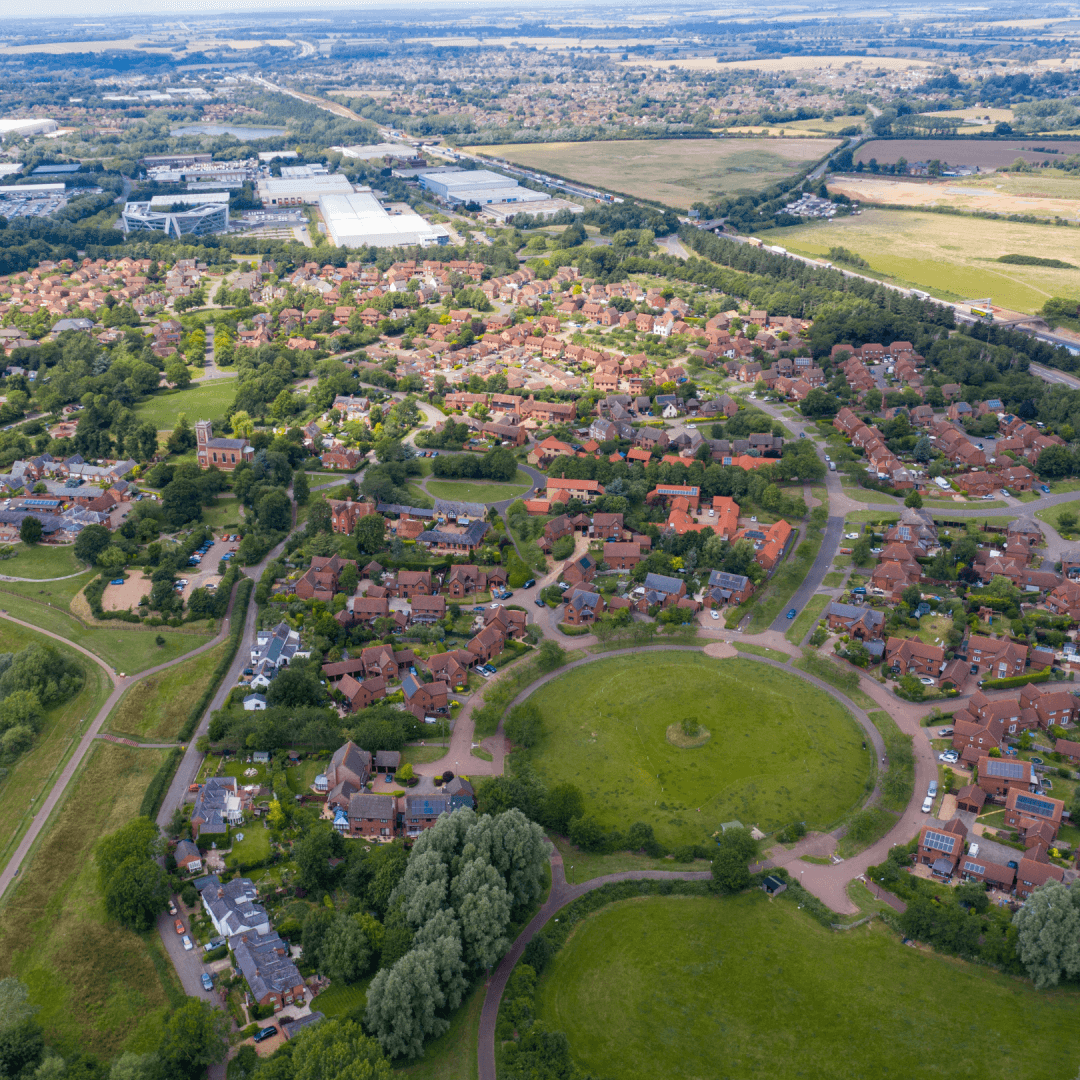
column 359, row 220
column 180, row 215
column 298, row 190
column 35, row 125
column 477, row 186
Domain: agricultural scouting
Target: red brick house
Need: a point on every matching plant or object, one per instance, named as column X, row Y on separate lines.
column 622, row 556
column 345, row 514
column 487, row 643
column 425, row 699
column 360, row 695
column 998, row 776
column 412, row 583
column 942, row 846
column 1025, row 811
column 373, row 817
column 579, row 570
column 912, row 657
column 1033, row 873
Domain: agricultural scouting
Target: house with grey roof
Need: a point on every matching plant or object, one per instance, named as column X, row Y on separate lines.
column 218, row 805
column 725, row 588
column 663, row 590
column 233, row 908
column 263, row 960
column 277, row 646
column 188, row 857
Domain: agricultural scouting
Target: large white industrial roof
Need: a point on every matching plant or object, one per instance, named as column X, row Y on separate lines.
column 359, row 220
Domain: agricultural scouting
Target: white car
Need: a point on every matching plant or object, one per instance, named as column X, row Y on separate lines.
column 714, row 613
column 927, row 805
column 926, row 681
column 950, row 757
column 187, row 944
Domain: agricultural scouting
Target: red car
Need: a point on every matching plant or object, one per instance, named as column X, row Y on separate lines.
column 179, row 927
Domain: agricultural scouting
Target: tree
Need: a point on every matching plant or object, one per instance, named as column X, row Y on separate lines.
column 912, row 596
column 913, row 500
column 972, row 895
column 91, row 542
column 338, row 1050
column 1056, row 462
column 181, row 501
column 345, row 951
column 524, row 725
column 819, row 402
column 320, row 518
column 134, row 886
column 21, row 1047
column 176, row 371
column 274, row 511
column 1066, row 518
column 30, row 530
column 300, row 487
column 924, row 449
column 296, row 686
column 242, row 425
column 1048, row 926
column 311, row 854
column 370, row 533
column 131, row 1066
column 551, row 655
column 730, row 873
column 15, row 1004
column 860, row 551
column 482, row 903
column 564, row 802
column 194, row 1038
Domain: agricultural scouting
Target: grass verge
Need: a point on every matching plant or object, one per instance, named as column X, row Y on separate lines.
column 809, row 615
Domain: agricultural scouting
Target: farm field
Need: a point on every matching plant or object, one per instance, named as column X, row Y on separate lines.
column 101, row 989
column 42, row 561
column 155, row 709
column 202, row 401
column 678, row 172
column 747, row 987
column 779, row 750
column 951, row 257
column 46, row 605
column 986, row 153
column 1047, row 198
column 32, row 774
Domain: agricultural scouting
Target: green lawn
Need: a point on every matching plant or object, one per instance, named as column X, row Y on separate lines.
column 747, row 987
column 155, row 709
column 201, row 401
column 421, row 755
column 872, row 517
column 338, row 1000
column 1050, row 515
column 101, row 989
column 45, row 605
column 780, row 750
column 224, row 513
column 254, row 847
column 834, row 580
column 801, row 625
column 42, row 561
column 762, row 650
column 579, row 866
column 32, row 775
column 482, row 491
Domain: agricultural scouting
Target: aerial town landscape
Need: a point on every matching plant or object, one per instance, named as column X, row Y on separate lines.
column 539, row 545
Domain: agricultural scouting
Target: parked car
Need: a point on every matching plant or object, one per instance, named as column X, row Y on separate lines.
column 265, row 1033
column 931, row 791
column 172, row 908
column 1045, row 489
column 928, row 805
column 949, row 757
column 187, row 944
column 539, row 602
column 117, row 581
column 207, row 982
column 490, row 669
column 179, row 927
column 944, row 732
column 1005, row 493
column 214, row 943
column 926, row 681
column 792, row 613
column 529, row 584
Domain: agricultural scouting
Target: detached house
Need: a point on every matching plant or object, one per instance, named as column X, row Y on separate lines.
column 912, row 657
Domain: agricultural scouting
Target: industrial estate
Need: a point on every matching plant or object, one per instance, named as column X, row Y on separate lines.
column 539, row 547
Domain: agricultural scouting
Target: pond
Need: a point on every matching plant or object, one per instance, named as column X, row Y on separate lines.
column 245, row 133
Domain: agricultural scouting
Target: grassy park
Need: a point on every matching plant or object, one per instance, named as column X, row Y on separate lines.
column 677, row 172
column 205, row 400
column 779, row 749
column 747, row 987
column 41, row 561
column 100, row 988
column 480, row 492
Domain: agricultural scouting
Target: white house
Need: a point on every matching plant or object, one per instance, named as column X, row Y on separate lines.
column 254, row 703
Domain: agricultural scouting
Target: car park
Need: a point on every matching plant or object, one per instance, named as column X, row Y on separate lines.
column 928, row 805
column 207, row 982
column 187, row 944
column 265, row 1033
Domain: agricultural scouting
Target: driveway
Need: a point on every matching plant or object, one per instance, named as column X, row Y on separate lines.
column 189, row 965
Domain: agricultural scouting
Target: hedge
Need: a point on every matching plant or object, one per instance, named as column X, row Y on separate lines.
column 1016, row 680
column 572, row 631
column 243, row 595
column 155, row 792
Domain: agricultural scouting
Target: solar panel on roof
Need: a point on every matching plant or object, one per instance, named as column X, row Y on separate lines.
column 1035, row 806
column 1013, row 770
column 974, row 868
column 940, row 841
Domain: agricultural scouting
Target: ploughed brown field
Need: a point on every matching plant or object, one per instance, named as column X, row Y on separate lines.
column 986, row 153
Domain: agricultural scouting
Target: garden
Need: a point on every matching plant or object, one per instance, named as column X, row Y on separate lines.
column 777, row 750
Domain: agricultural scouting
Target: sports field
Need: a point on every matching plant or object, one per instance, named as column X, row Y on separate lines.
column 779, row 749
column 677, row 172
column 954, row 258
column 201, row 401
column 747, row 988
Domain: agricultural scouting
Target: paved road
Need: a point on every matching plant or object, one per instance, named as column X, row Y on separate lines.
column 834, row 530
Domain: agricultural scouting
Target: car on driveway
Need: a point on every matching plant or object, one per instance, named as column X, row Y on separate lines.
column 927, row 805
column 172, row 908
column 207, row 982
column 265, row 1033
column 539, row 602
column 187, row 943
column 949, row 757
column 714, row 614
column 179, row 927
column 944, row 732
column 926, row 681
column 792, row 613
column 117, row 581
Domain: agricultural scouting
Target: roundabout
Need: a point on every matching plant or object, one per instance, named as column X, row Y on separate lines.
column 684, row 742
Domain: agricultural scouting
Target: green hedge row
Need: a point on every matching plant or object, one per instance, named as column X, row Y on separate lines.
column 155, row 792
column 243, row 595
column 1016, row 680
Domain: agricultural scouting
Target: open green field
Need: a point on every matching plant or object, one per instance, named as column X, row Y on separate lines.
column 31, row 775
column 155, row 709
column 482, row 491
column 42, row 561
column 953, row 258
column 201, row 401
column 101, row 989
column 747, row 987
column 46, row 605
column 780, row 750
column 1052, row 514
column 678, row 172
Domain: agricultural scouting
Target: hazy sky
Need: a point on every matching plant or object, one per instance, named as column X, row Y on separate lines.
column 90, row 8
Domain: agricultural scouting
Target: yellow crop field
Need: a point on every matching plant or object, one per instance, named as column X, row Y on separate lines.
column 676, row 172
column 953, row 258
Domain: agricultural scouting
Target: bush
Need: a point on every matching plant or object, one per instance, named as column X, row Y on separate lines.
column 216, row 954
column 159, row 785
column 189, row 895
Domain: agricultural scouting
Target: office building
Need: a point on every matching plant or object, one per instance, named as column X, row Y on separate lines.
column 187, row 214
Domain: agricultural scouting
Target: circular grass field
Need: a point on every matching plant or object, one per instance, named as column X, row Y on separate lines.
column 744, row 987
column 779, row 750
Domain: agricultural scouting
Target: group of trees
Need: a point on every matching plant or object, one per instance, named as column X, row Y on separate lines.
column 134, row 885
column 31, row 681
column 497, row 464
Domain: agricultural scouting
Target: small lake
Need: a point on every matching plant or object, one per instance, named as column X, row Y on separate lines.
column 228, row 129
